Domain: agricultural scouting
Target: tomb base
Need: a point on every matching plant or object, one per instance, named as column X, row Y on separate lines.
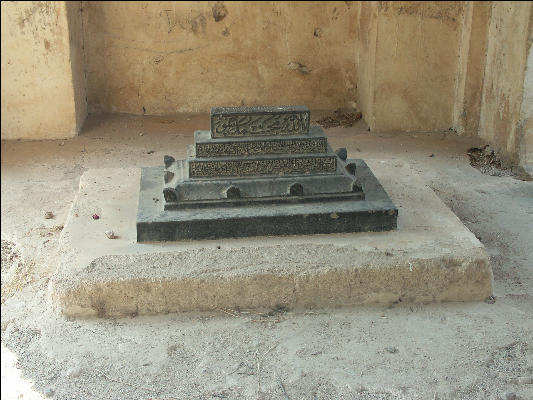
column 431, row 256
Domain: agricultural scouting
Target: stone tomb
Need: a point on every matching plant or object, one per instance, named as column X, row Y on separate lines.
column 260, row 171
column 429, row 256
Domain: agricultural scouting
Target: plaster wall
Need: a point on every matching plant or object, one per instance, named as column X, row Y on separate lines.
column 412, row 65
column 77, row 59
column 166, row 57
column 366, row 60
column 526, row 114
column 37, row 87
column 471, row 68
column 408, row 66
column 502, row 95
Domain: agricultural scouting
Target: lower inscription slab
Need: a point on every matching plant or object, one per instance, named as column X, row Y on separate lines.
column 263, row 165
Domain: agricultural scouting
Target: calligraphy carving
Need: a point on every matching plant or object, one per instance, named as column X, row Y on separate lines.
column 290, row 166
column 301, row 146
column 230, row 125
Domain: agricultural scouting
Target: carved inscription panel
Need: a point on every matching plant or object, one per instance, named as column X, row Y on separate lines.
column 289, row 166
column 301, row 146
column 287, row 123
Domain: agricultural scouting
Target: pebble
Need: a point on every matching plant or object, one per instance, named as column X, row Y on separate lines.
column 110, row 234
column 49, row 392
column 391, row 349
column 74, row 372
column 49, row 215
column 524, row 380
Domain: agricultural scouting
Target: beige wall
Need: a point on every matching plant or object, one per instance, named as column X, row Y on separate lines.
column 77, row 59
column 166, row 57
column 37, row 87
column 366, row 60
column 408, row 63
column 408, row 66
column 471, row 67
column 416, row 65
column 526, row 112
column 505, row 66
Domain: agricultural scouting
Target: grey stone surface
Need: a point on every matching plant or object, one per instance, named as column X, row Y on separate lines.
column 256, row 181
column 314, row 142
column 259, row 121
column 375, row 213
column 202, row 192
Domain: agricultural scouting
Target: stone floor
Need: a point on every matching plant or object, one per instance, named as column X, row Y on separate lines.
column 480, row 350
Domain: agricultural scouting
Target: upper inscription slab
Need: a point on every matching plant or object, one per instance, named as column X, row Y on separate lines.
column 259, row 121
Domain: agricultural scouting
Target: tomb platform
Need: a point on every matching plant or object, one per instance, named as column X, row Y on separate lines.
column 261, row 214
column 430, row 257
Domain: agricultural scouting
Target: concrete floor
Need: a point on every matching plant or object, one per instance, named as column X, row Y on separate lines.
column 406, row 351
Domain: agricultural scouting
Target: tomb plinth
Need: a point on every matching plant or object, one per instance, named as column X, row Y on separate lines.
column 260, row 171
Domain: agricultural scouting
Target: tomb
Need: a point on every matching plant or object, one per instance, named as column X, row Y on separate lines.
column 259, row 175
column 260, row 171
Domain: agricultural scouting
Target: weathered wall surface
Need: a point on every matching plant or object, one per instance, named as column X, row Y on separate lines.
column 412, row 64
column 504, row 75
column 408, row 66
column 77, row 59
column 37, row 88
column 165, row 57
column 526, row 113
column 366, row 60
column 471, row 67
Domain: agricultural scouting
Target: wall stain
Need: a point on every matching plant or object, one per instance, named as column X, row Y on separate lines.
column 295, row 65
column 195, row 24
column 446, row 11
column 157, row 59
column 219, row 11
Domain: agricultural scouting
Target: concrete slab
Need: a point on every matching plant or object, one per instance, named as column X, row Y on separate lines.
column 432, row 256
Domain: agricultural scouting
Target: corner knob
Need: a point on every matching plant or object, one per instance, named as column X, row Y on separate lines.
column 342, row 153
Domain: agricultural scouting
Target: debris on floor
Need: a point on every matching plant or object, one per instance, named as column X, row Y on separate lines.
column 45, row 231
column 15, row 270
column 340, row 118
column 486, row 160
column 111, row 235
column 49, row 215
column 96, row 216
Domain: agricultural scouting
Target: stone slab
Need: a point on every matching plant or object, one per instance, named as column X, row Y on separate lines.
column 154, row 223
column 259, row 121
column 190, row 191
column 431, row 256
column 264, row 165
column 314, row 142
